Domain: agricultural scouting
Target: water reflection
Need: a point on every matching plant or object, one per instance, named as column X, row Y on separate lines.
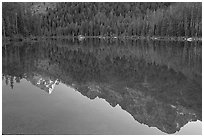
column 158, row 83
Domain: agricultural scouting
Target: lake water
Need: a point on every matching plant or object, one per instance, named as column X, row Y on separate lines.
column 102, row 87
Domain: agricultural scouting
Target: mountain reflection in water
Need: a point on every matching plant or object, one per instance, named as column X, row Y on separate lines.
column 158, row 83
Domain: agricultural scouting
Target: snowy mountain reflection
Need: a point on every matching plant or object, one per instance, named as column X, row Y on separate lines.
column 158, row 83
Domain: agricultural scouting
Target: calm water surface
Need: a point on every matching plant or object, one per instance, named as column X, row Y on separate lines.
column 102, row 87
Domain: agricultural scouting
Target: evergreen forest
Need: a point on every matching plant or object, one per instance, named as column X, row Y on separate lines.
column 118, row 19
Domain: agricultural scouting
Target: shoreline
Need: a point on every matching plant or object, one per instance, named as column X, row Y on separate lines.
column 81, row 38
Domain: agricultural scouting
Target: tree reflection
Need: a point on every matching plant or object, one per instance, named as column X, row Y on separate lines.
column 158, row 83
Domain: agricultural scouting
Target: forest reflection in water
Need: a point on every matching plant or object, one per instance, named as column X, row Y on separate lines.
column 159, row 83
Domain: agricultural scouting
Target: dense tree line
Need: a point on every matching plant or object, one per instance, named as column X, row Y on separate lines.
column 102, row 19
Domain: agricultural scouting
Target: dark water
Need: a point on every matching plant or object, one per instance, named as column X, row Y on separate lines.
column 101, row 87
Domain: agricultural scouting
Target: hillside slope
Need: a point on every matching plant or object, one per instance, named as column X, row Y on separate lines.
column 107, row 19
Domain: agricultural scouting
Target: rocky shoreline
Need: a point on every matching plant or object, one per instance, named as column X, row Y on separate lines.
column 81, row 38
